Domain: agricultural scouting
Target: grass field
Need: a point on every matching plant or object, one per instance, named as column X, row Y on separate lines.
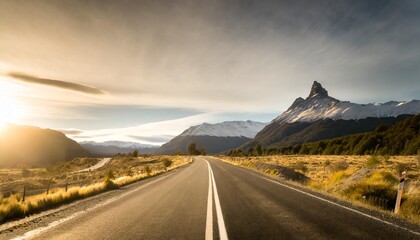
column 371, row 181
column 47, row 188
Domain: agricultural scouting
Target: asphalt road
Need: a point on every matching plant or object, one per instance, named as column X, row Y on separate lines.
column 243, row 205
column 103, row 162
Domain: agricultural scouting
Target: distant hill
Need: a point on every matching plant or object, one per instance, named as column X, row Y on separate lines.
column 320, row 116
column 215, row 138
column 110, row 148
column 25, row 146
column 402, row 138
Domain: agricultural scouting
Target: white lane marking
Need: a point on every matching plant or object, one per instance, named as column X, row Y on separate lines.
column 220, row 221
column 209, row 219
column 339, row 205
column 33, row 233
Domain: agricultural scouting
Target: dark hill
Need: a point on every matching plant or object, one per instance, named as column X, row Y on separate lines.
column 25, row 146
column 285, row 134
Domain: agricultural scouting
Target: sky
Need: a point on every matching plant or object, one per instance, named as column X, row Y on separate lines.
column 144, row 71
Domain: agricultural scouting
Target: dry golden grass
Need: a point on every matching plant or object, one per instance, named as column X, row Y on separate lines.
column 362, row 180
column 13, row 207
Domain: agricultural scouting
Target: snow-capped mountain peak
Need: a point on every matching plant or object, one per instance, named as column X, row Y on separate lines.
column 319, row 105
column 246, row 129
column 317, row 90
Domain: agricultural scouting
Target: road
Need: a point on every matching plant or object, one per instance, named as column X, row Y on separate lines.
column 221, row 202
column 103, row 162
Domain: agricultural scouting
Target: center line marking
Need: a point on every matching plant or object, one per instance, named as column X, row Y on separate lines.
column 220, row 221
column 209, row 219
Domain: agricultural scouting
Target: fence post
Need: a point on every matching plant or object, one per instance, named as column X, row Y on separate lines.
column 24, row 193
column 400, row 192
column 67, row 185
column 48, row 188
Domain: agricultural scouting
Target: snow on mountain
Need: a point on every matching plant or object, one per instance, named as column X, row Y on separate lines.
column 246, row 129
column 121, row 144
column 319, row 105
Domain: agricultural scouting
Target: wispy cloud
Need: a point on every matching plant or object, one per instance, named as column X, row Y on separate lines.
column 70, row 131
column 55, row 83
column 159, row 139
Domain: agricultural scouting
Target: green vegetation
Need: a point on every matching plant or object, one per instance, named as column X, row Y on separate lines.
column 403, row 138
column 192, row 150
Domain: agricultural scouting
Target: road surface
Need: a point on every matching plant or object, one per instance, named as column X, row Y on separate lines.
column 103, row 162
column 214, row 200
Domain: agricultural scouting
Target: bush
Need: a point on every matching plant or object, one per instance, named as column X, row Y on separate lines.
column 338, row 166
column 411, row 206
column 379, row 189
column 373, row 161
column 147, row 170
column 336, row 177
column 166, row 163
column 401, row 167
column 301, row 166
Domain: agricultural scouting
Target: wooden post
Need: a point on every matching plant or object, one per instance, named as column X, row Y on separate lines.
column 67, row 185
column 48, row 188
column 400, row 193
column 24, row 193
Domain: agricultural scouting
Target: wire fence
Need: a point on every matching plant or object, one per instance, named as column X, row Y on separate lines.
column 26, row 188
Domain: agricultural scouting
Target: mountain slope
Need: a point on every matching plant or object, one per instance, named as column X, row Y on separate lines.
column 24, row 146
column 320, row 116
column 402, row 138
column 215, row 138
column 319, row 105
column 110, row 148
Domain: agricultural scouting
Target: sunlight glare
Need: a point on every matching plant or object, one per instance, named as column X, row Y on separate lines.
column 9, row 111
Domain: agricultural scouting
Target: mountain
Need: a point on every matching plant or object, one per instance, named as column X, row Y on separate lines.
column 110, row 148
column 26, row 146
column 320, row 116
column 402, row 138
column 215, row 138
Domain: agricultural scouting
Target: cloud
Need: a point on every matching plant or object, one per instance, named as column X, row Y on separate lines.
column 55, row 83
column 70, row 131
column 163, row 138
column 150, row 133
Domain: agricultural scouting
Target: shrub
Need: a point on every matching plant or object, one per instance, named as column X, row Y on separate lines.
column 372, row 162
column 327, row 163
column 401, row 167
column 301, row 166
column 338, row 166
column 166, row 163
column 135, row 153
column 147, row 170
column 411, row 206
column 336, row 177
column 379, row 189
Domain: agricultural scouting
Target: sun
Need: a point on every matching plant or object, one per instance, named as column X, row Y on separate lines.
column 9, row 111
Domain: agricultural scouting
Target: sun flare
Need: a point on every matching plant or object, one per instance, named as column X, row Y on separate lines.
column 9, row 111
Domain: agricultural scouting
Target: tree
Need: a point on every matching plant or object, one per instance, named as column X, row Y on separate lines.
column 202, row 151
column 192, row 149
column 135, row 153
column 258, row 150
